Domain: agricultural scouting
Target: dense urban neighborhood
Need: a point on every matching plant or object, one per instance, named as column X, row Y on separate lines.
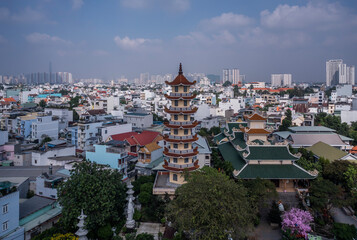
column 188, row 158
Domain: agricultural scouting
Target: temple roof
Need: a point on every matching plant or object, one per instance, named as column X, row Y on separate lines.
column 270, row 152
column 255, row 117
column 180, row 79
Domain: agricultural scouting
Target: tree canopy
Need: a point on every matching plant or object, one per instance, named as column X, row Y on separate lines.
column 97, row 190
column 286, row 122
column 211, row 206
column 227, row 84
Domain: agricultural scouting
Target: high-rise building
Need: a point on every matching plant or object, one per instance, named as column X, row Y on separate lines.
column 339, row 73
column 332, row 71
column 231, row 75
column 281, row 80
column 144, row 78
column 180, row 156
column 350, row 75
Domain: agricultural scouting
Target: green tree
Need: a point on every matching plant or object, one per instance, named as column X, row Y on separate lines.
column 351, row 179
column 227, row 84
column 210, row 206
column 43, row 103
column 97, row 190
column 236, row 91
column 203, row 132
column 259, row 191
column 144, row 236
column 335, row 172
column 214, row 130
column 324, row 194
column 286, row 122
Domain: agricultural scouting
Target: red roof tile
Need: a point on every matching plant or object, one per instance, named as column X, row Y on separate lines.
column 256, row 117
column 134, row 138
column 180, row 79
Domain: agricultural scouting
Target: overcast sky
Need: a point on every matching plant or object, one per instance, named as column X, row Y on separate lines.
column 110, row 38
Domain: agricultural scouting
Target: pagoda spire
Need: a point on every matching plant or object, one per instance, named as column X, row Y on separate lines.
column 180, row 69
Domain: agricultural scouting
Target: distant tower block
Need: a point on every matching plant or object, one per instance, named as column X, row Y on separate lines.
column 180, row 156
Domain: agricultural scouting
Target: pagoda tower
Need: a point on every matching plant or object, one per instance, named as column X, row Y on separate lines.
column 180, row 156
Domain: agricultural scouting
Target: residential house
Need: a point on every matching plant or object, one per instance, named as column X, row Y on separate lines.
column 9, row 212
column 113, row 153
column 51, row 151
column 139, row 120
column 38, row 214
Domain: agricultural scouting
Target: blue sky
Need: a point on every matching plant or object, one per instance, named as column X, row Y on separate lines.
column 110, row 38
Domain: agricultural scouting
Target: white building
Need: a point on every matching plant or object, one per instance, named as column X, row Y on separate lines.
column 65, row 115
column 87, row 134
column 231, row 75
column 111, row 129
column 42, row 158
column 281, row 80
column 44, row 126
column 234, row 103
column 339, row 73
column 139, row 120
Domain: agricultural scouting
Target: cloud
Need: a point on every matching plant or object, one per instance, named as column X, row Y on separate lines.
column 44, row 38
column 314, row 15
column 177, row 5
column 26, row 15
column 77, row 4
column 226, row 20
column 135, row 43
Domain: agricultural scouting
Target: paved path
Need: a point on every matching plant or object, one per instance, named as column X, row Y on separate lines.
column 340, row 217
column 151, row 228
column 264, row 231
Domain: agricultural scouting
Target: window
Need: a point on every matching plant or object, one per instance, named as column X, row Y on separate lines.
column 207, row 157
column 106, row 131
column 176, row 103
column 175, row 117
column 174, row 177
column 175, row 131
column 185, row 117
column 185, row 103
column 4, row 225
column 87, row 126
column 35, row 161
column 186, row 160
column 185, row 145
column 5, row 208
column 175, row 160
column 185, row 88
column 175, row 145
column 185, row 131
column 176, row 89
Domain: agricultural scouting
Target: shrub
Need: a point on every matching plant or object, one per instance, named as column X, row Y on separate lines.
column 130, row 236
column 137, row 215
column 146, row 187
column 105, row 232
column 344, row 231
column 274, row 215
column 144, row 236
column 144, row 198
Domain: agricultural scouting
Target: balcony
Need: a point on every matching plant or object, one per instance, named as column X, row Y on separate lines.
column 181, row 167
column 180, row 153
column 184, row 110
column 173, row 138
column 187, row 124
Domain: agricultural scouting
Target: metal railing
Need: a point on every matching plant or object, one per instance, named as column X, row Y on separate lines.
column 180, row 151
column 181, row 123
column 180, row 166
column 180, row 137
column 180, row 94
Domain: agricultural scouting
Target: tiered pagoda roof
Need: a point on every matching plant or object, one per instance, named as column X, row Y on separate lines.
column 180, row 80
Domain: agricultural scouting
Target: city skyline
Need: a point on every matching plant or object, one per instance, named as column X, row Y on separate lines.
column 122, row 37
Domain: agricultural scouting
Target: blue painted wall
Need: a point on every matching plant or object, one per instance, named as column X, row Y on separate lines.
column 100, row 156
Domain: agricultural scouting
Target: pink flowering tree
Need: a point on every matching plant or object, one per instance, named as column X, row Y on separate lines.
column 297, row 222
